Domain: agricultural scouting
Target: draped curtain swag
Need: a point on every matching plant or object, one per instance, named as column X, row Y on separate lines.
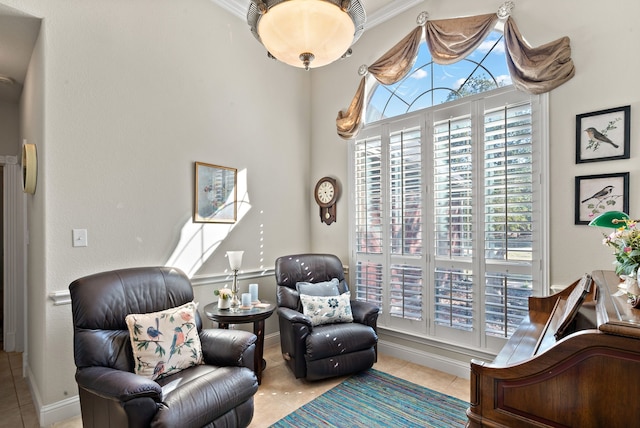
column 450, row 40
column 389, row 69
column 537, row 70
column 533, row 70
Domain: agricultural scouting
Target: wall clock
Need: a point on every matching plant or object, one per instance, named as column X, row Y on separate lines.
column 29, row 168
column 326, row 194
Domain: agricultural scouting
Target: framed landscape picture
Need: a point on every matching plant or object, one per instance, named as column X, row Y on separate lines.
column 603, row 135
column 596, row 194
column 215, row 194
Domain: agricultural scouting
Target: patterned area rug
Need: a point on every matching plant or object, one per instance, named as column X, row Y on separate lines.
column 376, row 399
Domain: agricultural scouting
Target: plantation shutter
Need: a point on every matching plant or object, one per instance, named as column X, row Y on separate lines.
column 405, row 192
column 369, row 227
column 508, row 216
column 445, row 224
column 453, row 222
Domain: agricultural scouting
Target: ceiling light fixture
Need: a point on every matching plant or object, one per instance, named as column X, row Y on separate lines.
column 306, row 33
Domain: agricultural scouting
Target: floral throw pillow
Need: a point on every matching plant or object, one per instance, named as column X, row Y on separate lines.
column 327, row 309
column 165, row 342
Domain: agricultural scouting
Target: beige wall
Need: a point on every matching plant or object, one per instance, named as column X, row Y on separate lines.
column 123, row 96
column 603, row 40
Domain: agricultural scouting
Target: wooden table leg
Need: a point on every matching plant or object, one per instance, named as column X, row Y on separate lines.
column 258, row 362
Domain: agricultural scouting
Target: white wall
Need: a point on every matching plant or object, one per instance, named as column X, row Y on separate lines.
column 122, row 97
column 603, row 42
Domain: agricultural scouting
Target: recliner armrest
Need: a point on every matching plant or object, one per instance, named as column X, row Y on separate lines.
column 117, row 385
column 294, row 316
column 223, row 347
column 365, row 313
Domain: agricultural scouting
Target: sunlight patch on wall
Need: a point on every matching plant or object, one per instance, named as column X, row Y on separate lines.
column 198, row 241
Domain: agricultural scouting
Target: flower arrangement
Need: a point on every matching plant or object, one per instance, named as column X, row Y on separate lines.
column 223, row 293
column 625, row 242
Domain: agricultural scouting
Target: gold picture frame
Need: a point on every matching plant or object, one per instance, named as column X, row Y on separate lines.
column 215, row 199
column 29, row 168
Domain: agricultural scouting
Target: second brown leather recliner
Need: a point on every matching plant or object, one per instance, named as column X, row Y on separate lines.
column 326, row 350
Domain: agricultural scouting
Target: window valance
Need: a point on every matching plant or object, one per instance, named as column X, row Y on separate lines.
column 534, row 70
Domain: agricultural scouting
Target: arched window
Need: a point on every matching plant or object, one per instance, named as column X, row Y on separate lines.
column 429, row 84
column 447, row 189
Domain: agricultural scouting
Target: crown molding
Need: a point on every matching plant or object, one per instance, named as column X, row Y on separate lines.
column 235, row 7
column 392, row 9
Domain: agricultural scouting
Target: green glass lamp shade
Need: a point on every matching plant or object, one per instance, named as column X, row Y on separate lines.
column 612, row 219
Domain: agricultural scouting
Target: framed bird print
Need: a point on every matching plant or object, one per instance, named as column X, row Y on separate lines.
column 596, row 194
column 603, row 135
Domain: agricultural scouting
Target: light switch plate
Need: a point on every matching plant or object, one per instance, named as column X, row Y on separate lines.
column 80, row 238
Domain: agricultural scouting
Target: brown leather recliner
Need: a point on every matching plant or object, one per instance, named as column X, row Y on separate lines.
column 216, row 393
column 322, row 351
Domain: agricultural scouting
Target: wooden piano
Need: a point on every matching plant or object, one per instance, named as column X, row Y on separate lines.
column 587, row 376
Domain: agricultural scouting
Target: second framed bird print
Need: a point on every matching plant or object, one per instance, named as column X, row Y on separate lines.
column 603, row 135
column 596, row 194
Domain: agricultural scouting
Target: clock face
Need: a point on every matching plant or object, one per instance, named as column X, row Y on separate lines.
column 325, row 192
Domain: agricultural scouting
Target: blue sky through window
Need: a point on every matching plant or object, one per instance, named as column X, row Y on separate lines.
column 429, row 84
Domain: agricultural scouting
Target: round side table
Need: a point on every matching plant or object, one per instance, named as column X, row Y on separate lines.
column 255, row 315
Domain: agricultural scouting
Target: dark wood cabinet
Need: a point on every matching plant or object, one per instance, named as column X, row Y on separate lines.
column 588, row 378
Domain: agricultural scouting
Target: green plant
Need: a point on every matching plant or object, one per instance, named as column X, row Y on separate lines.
column 626, row 244
column 223, row 293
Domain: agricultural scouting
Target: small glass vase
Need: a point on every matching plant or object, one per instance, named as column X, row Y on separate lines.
column 235, row 302
column 632, row 288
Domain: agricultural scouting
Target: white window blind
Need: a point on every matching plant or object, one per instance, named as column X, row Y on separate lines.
column 508, row 212
column 405, row 184
column 453, row 221
column 445, row 228
column 405, row 223
column 453, row 187
column 368, row 220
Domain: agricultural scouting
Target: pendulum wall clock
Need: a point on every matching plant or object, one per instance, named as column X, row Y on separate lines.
column 326, row 194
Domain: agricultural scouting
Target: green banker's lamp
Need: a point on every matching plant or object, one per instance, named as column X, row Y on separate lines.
column 612, row 219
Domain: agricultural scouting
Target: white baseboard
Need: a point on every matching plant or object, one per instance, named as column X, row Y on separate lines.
column 60, row 411
column 438, row 362
column 9, row 342
column 272, row 339
column 51, row 413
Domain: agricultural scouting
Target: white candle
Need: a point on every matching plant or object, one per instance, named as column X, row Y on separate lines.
column 253, row 290
column 246, row 299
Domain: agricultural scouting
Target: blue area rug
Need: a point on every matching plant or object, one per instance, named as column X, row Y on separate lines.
column 376, row 399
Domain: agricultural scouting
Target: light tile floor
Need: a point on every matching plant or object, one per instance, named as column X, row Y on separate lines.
column 278, row 395
column 281, row 393
column 16, row 407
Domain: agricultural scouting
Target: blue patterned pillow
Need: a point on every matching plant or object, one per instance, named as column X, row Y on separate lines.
column 165, row 342
column 327, row 309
